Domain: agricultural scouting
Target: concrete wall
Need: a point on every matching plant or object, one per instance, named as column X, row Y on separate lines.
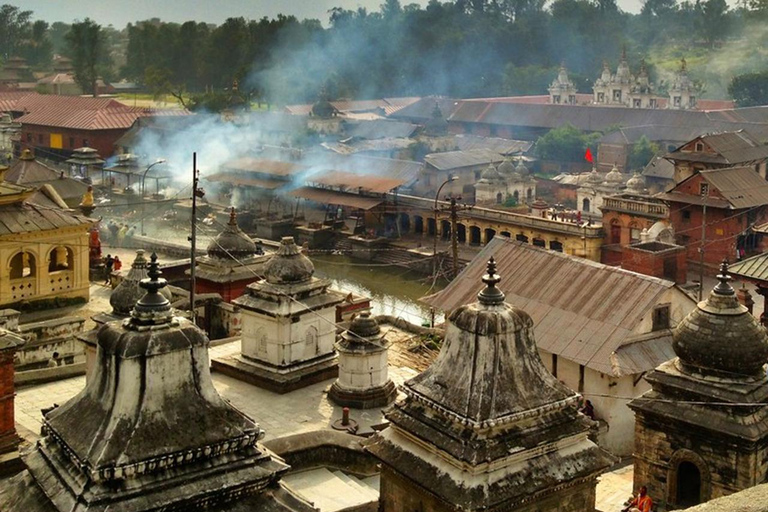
column 45, row 338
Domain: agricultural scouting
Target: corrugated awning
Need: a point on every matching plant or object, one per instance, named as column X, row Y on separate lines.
column 339, row 198
column 350, row 180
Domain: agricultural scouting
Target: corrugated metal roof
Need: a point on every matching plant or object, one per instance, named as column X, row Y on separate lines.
column 244, row 179
column 501, row 146
column 736, row 147
column 351, row 181
column 337, row 198
column 636, row 355
column 755, row 268
column 742, row 187
column 261, row 166
column 116, row 118
column 422, row 110
column 381, row 129
column 26, row 218
column 660, row 167
column 458, row 159
column 582, row 310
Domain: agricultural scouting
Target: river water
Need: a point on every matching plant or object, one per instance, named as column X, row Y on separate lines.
column 393, row 290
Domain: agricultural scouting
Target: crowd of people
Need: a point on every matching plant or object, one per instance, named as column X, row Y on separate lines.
column 118, row 235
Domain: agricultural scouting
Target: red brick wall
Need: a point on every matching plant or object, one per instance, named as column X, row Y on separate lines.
column 653, row 264
column 7, row 392
column 228, row 291
column 102, row 141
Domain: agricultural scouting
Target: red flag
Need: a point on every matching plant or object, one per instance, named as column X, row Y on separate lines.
column 588, row 156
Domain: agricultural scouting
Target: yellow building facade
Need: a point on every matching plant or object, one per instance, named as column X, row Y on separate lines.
column 43, row 248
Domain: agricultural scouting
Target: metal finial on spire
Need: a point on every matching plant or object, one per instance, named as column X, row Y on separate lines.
column 153, row 308
column 683, row 64
column 491, row 295
column 724, row 287
column 232, row 217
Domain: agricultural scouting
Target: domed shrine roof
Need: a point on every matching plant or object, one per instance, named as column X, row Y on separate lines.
column 491, row 174
column 231, row 243
column 288, row 265
column 614, row 177
column 129, row 291
column 720, row 337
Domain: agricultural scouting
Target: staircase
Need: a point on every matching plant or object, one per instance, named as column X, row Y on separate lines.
column 331, row 490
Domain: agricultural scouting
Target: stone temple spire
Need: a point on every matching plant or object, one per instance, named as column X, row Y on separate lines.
column 487, row 427
column 149, row 431
column 707, row 407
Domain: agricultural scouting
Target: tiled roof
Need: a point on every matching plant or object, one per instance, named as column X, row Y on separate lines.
column 582, row 310
column 104, row 119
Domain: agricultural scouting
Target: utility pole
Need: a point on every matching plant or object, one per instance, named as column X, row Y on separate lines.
column 193, row 237
column 701, row 248
column 454, row 209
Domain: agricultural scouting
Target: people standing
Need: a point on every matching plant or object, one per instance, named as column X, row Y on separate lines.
column 108, row 264
column 117, row 264
column 121, row 235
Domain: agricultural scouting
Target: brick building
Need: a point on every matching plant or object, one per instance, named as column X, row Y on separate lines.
column 720, row 150
column 9, row 439
column 54, row 126
column 735, row 200
column 625, row 217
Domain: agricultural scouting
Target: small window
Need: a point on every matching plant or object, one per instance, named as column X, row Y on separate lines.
column 704, row 189
column 636, row 103
column 600, row 97
column 653, row 103
column 692, row 101
column 478, row 174
column 634, row 234
column 699, row 147
column 686, row 216
column 572, row 99
column 555, row 246
column 617, row 95
column 72, row 142
column 538, row 242
column 661, row 317
column 555, row 98
column 554, row 365
column 676, row 101
column 581, row 378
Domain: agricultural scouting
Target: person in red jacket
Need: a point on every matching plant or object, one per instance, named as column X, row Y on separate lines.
column 641, row 503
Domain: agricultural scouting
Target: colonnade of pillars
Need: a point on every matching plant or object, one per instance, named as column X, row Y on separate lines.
column 470, row 235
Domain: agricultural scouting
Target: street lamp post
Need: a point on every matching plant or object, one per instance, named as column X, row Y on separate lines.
column 143, row 180
column 437, row 196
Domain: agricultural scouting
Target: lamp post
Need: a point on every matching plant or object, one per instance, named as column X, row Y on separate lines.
column 437, row 196
column 143, row 180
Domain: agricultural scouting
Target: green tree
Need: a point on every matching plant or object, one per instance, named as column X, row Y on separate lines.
column 749, row 89
column 713, row 20
column 89, row 54
column 566, row 144
column 38, row 49
column 14, row 29
column 642, row 153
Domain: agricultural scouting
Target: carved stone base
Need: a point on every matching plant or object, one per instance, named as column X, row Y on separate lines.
column 369, row 399
column 278, row 380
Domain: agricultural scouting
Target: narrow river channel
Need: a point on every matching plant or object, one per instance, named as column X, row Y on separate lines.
column 393, row 290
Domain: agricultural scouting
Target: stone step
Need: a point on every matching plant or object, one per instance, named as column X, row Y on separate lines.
column 373, row 482
column 327, row 490
column 353, row 481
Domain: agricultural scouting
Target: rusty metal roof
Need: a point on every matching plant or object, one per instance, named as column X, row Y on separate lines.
column 582, row 310
column 350, row 181
column 337, row 198
column 261, row 166
column 26, row 218
column 243, row 179
column 116, row 118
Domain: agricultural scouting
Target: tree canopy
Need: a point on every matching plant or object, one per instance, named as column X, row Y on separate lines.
column 566, row 144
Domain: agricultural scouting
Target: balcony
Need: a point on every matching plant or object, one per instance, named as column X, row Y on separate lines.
column 643, row 208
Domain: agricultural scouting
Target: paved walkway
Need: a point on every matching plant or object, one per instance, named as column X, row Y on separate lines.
column 614, row 488
column 299, row 411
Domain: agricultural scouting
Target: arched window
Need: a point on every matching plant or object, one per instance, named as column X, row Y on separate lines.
column 516, row 195
column 585, row 205
column 61, row 258
column 634, row 233
column 499, row 198
column 529, row 194
column 615, row 231
column 23, row 264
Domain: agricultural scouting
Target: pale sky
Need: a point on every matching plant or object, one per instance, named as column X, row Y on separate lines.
column 120, row 12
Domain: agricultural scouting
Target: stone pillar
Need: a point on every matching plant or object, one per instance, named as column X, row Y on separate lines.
column 763, row 291
column 745, row 298
column 363, row 381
